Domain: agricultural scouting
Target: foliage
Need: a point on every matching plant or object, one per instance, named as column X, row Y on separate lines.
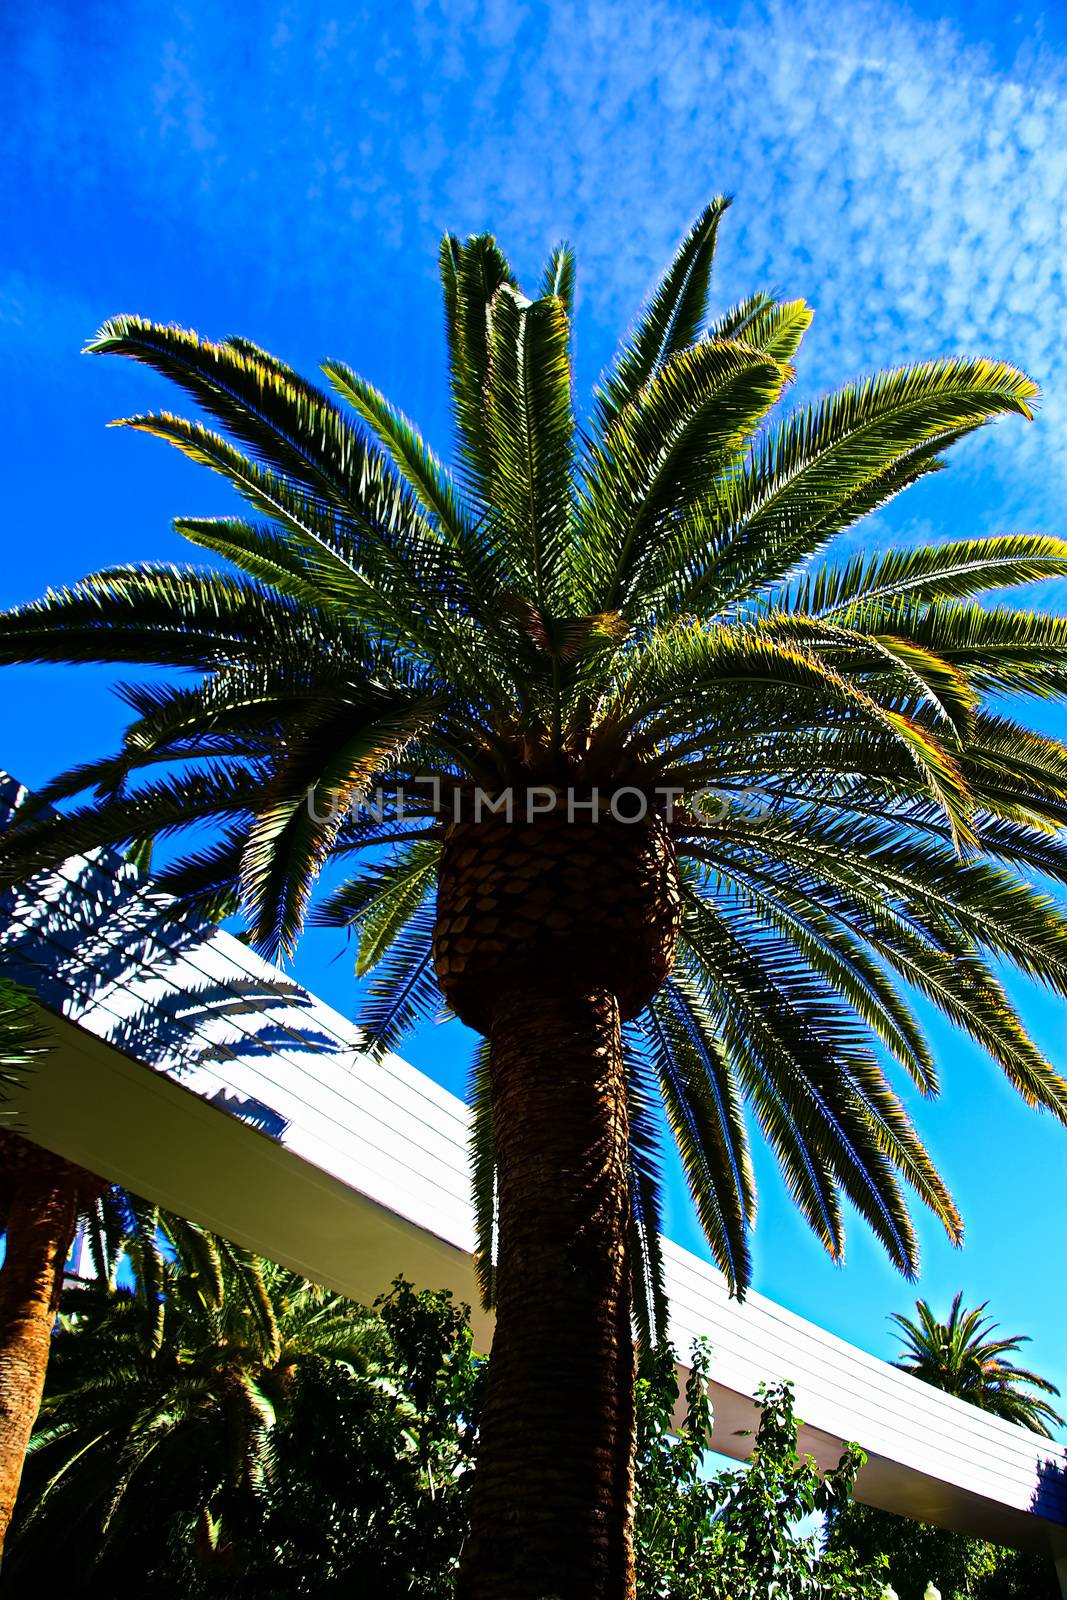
column 918, row 1553
column 365, row 1491
column 261, row 1437
column 22, row 1037
column 642, row 600
column 268, row 1438
column 962, row 1357
column 735, row 1536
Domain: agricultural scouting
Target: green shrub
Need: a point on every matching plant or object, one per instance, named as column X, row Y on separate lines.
column 736, row 1536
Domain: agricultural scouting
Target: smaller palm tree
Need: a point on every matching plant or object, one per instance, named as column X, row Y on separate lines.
column 165, row 1394
column 40, row 1200
column 964, row 1357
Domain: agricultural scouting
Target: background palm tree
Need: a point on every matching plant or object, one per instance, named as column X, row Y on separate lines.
column 158, row 1441
column 45, row 1202
column 40, row 1200
column 965, row 1357
column 624, row 611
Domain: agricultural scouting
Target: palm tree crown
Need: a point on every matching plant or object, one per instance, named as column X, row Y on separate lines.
column 962, row 1357
column 629, row 600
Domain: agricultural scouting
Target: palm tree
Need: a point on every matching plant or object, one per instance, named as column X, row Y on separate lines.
column 166, row 1393
column 755, row 797
column 44, row 1203
column 962, row 1357
column 40, row 1199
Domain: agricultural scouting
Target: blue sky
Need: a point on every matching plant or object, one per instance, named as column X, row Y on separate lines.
column 285, row 170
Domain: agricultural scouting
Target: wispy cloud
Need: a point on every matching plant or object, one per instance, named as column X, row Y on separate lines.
column 882, row 167
column 885, row 167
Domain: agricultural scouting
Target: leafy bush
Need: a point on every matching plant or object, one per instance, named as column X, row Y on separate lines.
column 735, row 1536
column 367, row 1485
column 209, row 1458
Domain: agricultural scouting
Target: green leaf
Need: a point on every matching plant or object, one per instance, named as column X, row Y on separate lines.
column 22, row 1037
column 674, row 315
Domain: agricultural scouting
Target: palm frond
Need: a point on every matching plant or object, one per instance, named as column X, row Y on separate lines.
column 951, row 571
column 22, row 1036
column 558, row 277
column 673, row 317
column 646, row 1253
column 483, row 1173
column 699, row 1090
column 816, row 474
column 670, row 446
column 403, row 990
column 528, row 431
column 472, row 272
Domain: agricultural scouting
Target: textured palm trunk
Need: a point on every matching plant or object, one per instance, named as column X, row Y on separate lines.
column 549, row 935
column 553, row 1494
column 40, row 1229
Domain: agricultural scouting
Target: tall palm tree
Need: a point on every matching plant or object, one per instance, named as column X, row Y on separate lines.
column 962, row 1357
column 755, row 797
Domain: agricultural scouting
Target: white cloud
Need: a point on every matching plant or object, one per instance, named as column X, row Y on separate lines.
column 884, row 166
column 881, row 165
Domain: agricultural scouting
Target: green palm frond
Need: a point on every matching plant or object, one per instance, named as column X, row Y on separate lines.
column 700, row 1092
column 483, row 1174
column 164, row 616
column 472, row 272
column 735, row 322
column 290, row 840
column 528, row 427
column 646, row 1253
column 403, row 989
column 291, row 427
column 271, row 556
column 677, row 439
column 951, row 571
column 411, row 457
column 835, row 955
column 558, row 277
column 22, row 1036
column 673, row 317
column 353, row 567
column 160, row 808
column 812, row 477
column 377, row 904
column 646, row 600
column 786, row 1031
column 776, row 329
column 411, row 877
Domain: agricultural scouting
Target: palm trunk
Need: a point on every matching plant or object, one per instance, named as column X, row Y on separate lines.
column 40, row 1229
column 553, row 1496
